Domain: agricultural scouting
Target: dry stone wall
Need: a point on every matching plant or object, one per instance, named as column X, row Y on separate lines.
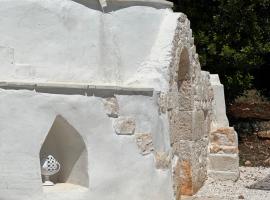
column 189, row 108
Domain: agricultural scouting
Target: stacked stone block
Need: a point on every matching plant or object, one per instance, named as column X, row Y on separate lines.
column 223, row 154
column 189, row 105
column 223, row 159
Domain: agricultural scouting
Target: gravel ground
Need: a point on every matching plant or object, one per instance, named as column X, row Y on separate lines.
column 229, row 190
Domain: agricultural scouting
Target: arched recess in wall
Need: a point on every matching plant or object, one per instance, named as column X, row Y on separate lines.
column 66, row 145
column 183, row 69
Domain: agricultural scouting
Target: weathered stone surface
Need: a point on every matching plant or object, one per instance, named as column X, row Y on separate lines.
column 199, row 163
column 173, row 100
column 219, row 109
column 163, row 102
column 181, row 125
column 224, row 136
column 176, row 171
column 124, row 126
column 162, row 160
column 198, row 124
column 145, row 143
column 186, row 125
column 186, row 178
column 193, row 164
column 111, row 107
column 223, row 159
column 221, row 162
column 180, row 101
column 207, row 123
column 223, row 175
column 223, row 149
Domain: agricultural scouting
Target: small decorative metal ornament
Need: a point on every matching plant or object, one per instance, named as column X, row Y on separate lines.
column 49, row 167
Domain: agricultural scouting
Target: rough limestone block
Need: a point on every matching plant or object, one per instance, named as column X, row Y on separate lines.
column 219, row 107
column 180, row 125
column 181, row 100
column 221, row 162
column 186, row 177
column 145, row 143
column 162, row 160
column 223, row 175
column 186, row 125
column 111, row 107
column 176, row 173
column 173, row 101
column 186, row 102
column 197, row 124
column 224, row 137
column 162, row 102
column 124, row 126
column 223, row 149
column 199, row 164
column 207, row 123
column 193, row 155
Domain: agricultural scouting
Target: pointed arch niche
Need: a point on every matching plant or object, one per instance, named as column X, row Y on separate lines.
column 67, row 146
column 184, row 68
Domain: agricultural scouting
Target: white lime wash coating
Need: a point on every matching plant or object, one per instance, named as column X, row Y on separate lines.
column 114, row 91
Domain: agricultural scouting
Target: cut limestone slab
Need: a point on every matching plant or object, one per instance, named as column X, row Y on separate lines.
column 124, row 126
column 145, row 143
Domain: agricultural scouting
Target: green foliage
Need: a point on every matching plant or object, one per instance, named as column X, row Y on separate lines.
column 251, row 96
column 236, row 84
column 232, row 38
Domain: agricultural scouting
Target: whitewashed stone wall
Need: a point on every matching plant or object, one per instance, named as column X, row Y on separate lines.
column 127, row 78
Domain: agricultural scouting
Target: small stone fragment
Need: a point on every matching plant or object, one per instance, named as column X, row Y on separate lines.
column 111, row 107
column 247, row 163
column 162, row 102
column 124, row 126
column 163, row 160
column 145, row 143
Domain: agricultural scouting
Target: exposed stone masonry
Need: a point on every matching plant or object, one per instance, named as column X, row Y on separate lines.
column 189, row 111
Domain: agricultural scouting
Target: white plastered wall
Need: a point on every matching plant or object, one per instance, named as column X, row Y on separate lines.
column 64, row 41
column 116, row 168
